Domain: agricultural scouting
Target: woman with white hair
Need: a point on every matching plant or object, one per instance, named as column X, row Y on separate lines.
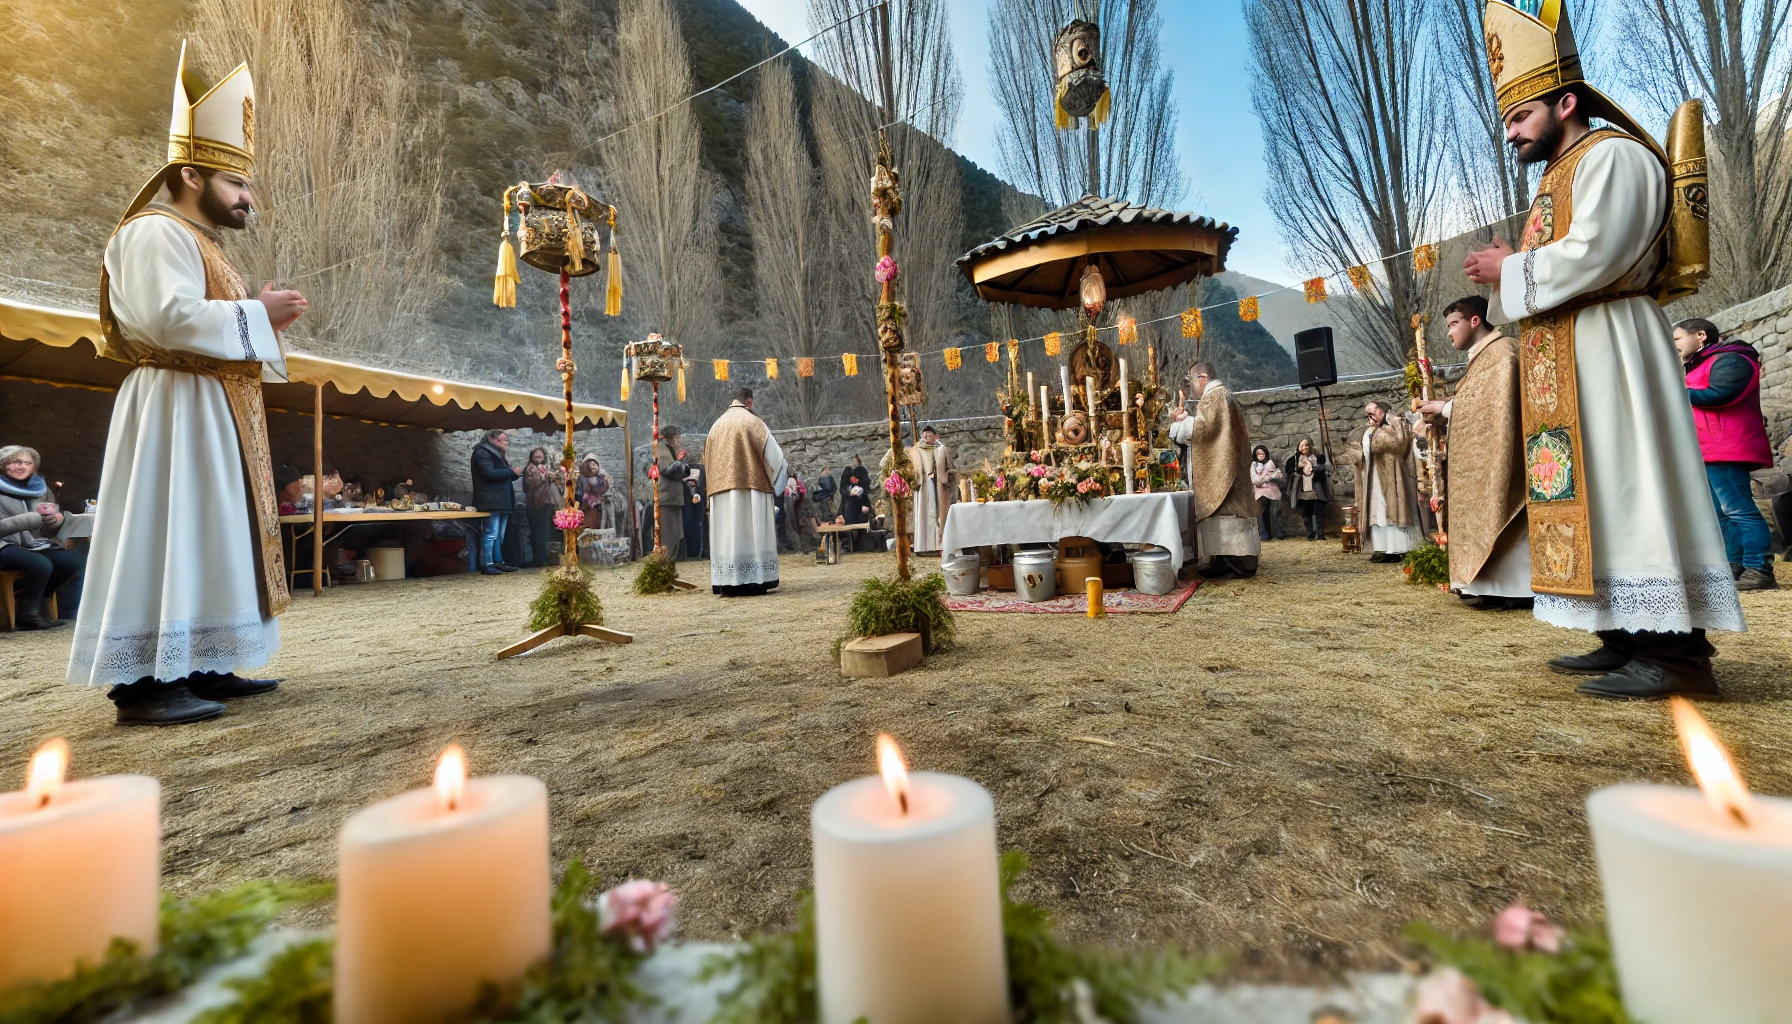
column 27, row 515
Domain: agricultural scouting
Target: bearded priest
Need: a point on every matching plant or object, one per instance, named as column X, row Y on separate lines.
column 1624, row 540
column 185, row 576
column 1219, row 474
column 746, row 468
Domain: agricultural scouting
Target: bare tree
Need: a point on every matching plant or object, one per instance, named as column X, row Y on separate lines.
column 1349, row 107
column 782, row 207
column 1138, row 144
column 667, row 222
column 846, row 103
column 1736, row 55
column 348, row 167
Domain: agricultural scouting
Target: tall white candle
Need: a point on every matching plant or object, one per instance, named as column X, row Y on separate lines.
column 1030, row 387
column 908, row 912
column 1127, row 461
column 1089, row 401
column 1125, row 403
column 440, row 891
column 1064, row 378
column 1045, row 403
column 1698, row 891
column 79, row 866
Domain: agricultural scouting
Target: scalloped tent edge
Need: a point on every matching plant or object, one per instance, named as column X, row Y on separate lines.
column 48, row 345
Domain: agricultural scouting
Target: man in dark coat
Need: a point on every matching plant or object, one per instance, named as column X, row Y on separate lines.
column 696, row 527
column 855, row 493
column 494, row 492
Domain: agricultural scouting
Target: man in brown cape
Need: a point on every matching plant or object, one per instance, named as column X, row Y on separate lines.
column 746, row 469
column 1490, row 546
column 1219, row 468
column 1386, row 495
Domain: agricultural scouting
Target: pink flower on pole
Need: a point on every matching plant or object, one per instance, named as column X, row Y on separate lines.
column 639, row 910
column 568, row 519
column 886, row 270
column 1520, row 927
column 894, row 485
column 653, row 472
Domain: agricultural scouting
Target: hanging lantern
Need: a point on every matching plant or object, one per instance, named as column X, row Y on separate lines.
column 1093, row 290
column 555, row 228
column 655, row 359
column 1082, row 91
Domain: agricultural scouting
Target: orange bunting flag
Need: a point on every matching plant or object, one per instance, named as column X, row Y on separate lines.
column 850, row 363
column 771, row 369
column 954, row 358
column 1359, row 277
column 805, row 367
column 1247, row 308
column 1191, row 323
column 1051, row 344
column 1129, row 330
column 992, row 353
column 1424, row 258
column 721, row 368
column 1316, row 290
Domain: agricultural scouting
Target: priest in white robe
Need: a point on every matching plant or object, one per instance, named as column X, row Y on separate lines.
column 185, row 575
column 1624, row 540
column 746, row 469
column 1386, row 485
column 932, row 466
column 1227, row 535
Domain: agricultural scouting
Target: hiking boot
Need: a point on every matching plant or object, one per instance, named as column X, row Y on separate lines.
column 1648, row 680
column 1757, row 579
column 226, row 685
column 30, row 616
column 169, row 705
column 1594, row 663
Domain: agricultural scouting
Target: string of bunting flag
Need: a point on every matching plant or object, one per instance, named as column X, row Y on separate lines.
column 1192, row 321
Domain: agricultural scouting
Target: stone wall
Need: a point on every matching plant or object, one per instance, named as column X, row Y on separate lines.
column 1766, row 323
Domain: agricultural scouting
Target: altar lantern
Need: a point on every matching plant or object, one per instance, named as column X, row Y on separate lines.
column 1093, row 290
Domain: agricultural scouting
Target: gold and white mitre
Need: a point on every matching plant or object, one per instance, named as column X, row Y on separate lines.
column 215, row 131
column 1531, row 53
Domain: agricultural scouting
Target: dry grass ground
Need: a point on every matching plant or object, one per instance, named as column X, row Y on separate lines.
column 1290, row 769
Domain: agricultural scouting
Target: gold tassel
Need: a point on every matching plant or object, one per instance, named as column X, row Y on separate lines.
column 850, row 363
column 771, row 369
column 1013, row 351
column 1089, row 335
column 613, row 293
column 1102, row 106
column 625, row 380
column 1059, row 114
column 575, row 241
column 505, row 281
column 681, row 381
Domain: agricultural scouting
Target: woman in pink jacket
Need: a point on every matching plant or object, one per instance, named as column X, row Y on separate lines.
column 1266, row 483
column 1723, row 382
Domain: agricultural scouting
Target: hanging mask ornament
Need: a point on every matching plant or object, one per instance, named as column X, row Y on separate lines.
column 1082, row 91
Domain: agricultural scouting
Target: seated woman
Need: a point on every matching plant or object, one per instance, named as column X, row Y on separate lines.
column 28, row 522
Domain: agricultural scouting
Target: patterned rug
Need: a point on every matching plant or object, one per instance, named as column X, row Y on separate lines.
column 1117, row 602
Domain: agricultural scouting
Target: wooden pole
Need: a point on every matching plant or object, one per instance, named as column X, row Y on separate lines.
column 887, row 295
column 653, row 476
column 569, row 554
column 634, row 525
column 317, row 493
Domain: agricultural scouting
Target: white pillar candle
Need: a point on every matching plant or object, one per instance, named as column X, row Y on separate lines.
column 1064, row 378
column 908, row 911
column 1125, row 402
column 1127, row 461
column 1030, row 387
column 1698, row 891
column 79, row 867
column 438, row 893
column 1045, row 403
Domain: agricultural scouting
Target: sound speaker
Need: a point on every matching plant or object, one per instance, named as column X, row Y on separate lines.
column 1315, row 365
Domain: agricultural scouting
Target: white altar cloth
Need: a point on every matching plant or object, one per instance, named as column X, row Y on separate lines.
column 1161, row 518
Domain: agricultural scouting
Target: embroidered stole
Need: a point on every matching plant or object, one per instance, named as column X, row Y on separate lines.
column 242, row 388
column 1549, row 393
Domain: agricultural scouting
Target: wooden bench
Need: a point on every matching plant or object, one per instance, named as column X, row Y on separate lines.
column 9, row 602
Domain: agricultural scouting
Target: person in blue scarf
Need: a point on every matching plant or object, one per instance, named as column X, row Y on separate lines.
column 29, row 519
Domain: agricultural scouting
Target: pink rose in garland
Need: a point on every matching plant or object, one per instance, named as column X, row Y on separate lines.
column 886, row 270
column 894, row 485
column 568, row 519
column 640, row 911
column 1520, row 927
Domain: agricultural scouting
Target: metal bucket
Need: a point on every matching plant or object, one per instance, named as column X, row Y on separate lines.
column 1035, row 575
column 1152, row 572
column 962, row 573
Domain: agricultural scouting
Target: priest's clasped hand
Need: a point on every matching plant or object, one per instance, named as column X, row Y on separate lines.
column 1483, row 265
column 284, row 306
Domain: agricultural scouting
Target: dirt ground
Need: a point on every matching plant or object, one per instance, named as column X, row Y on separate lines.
column 1289, row 769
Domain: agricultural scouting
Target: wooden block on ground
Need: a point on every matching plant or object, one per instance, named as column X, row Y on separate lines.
column 880, row 656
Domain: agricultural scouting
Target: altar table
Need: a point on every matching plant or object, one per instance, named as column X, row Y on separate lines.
column 1164, row 518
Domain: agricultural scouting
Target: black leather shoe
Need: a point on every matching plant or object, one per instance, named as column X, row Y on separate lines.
column 224, row 686
column 504, row 567
column 1595, row 663
column 491, row 570
column 32, row 620
column 171, row 705
column 1646, row 680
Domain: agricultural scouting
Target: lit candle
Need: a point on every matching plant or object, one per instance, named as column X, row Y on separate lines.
column 440, row 891
column 79, row 867
column 1125, row 407
column 1128, row 455
column 1064, row 378
column 1698, row 890
column 908, row 908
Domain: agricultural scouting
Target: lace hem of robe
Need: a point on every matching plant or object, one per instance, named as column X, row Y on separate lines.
column 112, row 654
column 1664, row 600
column 743, row 571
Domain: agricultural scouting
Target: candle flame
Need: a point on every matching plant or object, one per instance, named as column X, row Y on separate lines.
column 895, row 773
column 1711, row 765
column 48, row 766
column 451, row 777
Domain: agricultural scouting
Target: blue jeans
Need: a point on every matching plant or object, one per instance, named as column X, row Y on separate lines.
column 1746, row 539
column 491, row 544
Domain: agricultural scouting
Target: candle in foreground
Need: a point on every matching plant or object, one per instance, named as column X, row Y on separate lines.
column 1698, row 891
column 440, row 891
column 79, row 866
column 908, row 910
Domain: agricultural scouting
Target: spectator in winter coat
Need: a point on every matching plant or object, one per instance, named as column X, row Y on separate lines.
column 1266, row 484
column 494, row 491
column 1723, row 382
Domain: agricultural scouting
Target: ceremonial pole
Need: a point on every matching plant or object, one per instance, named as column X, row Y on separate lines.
column 887, row 204
column 569, row 554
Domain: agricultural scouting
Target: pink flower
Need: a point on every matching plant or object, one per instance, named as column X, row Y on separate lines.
column 886, row 270
column 895, row 486
column 640, row 910
column 1001, row 482
column 1520, row 927
column 653, row 472
column 568, row 519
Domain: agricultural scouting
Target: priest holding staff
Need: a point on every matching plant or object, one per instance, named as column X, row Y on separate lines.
column 186, row 576
column 1624, row 540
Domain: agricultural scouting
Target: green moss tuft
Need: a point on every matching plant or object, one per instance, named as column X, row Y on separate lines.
column 296, row 988
column 656, row 575
column 589, row 977
column 893, row 606
column 1429, row 565
column 566, row 599
column 774, row 975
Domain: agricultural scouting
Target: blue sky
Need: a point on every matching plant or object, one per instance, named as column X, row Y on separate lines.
column 1205, row 43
